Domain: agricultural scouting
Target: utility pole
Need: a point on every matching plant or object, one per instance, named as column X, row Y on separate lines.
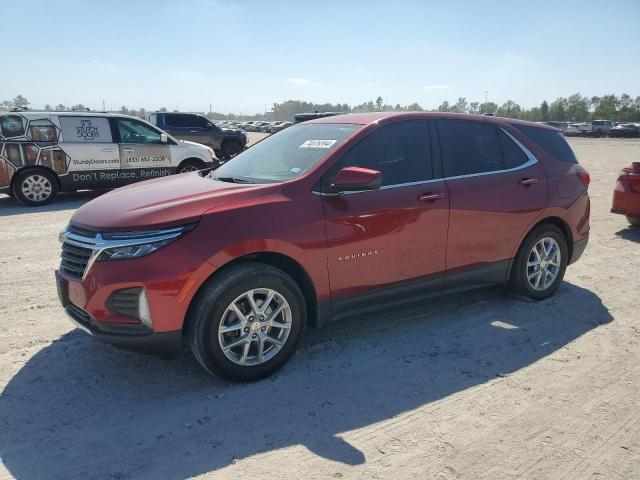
column 103, row 107
column 210, row 110
column 486, row 96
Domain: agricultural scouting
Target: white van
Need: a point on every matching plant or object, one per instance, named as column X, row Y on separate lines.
column 42, row 153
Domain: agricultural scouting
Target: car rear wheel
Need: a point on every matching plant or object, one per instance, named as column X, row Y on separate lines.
column 230, row 149
column 246, row 323
column 35, row 187
column 635, row 221
column 539, row 266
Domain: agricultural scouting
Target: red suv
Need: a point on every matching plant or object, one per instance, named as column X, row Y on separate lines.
column 319, row 221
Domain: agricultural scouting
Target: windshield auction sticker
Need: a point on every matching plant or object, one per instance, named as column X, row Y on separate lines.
column 318, row 144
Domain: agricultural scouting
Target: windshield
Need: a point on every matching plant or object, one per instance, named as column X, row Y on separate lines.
column 285, row 155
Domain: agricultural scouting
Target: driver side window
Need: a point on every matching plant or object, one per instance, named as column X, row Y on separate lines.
column 133, row 131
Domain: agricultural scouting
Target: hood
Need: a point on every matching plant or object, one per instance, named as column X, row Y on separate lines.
column 193, row 144
column 162, row 202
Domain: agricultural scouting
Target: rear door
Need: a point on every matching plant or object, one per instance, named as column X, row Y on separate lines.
column 142, row 153
column 497, row 189
column 394, row 236
column 87, row 145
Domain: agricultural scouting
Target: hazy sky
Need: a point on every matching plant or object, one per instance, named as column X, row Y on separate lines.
column 241, row 55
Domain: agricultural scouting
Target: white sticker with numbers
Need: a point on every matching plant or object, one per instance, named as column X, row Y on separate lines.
column 318, row 144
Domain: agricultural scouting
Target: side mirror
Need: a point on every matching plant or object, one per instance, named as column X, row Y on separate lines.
column 209, row 125
column 164, row 138
column 356, row 179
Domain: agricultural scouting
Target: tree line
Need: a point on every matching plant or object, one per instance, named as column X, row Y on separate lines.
column 575, row 108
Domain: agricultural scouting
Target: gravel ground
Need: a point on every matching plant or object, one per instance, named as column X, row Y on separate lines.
column 475, row 386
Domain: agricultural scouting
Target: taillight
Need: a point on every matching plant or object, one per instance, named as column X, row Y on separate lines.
column 584, row 177
column 632, row 175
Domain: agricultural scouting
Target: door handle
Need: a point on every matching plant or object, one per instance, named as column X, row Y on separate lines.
column 430, row 197
column 525, row 182
column 193, row 131
column 128, row 150
column 108, row 149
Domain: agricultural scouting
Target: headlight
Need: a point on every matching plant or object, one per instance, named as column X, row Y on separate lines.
column 127, row 245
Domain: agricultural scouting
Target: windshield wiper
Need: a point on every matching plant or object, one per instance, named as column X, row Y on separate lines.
column 232, row 179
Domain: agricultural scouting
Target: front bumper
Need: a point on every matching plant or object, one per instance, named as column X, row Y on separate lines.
column 129, row 335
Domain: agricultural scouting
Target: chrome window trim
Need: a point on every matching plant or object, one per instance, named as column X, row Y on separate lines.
column 99, row 244
column 531, row 160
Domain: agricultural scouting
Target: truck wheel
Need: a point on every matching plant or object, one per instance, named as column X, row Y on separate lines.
column 230, row 149
column 246, row 323
column 634, row 221
column 190, row 165
column 539, row 266
column 35, row 187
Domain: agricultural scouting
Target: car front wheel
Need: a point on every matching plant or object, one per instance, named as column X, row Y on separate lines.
column 246, row 322
column 539, row 266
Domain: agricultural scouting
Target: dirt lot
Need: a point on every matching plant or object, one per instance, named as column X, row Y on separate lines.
column 475, row 386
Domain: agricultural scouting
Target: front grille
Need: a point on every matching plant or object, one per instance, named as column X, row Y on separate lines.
column 81, row 231
column 74, row 259
column 79, row 314
column 124, row 302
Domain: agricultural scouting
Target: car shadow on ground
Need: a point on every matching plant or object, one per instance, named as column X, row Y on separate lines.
column 9, row 206
column 630, row 233
column 82, row 409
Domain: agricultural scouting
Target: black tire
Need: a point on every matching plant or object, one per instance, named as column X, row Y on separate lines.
column 35, row 187
column 190, row 165
column 211, row 303
column 519, row 282
column 633, row 221
column 230, row 149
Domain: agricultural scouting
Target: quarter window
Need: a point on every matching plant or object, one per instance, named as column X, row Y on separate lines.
column 469, row 147
column 85, row 129
column 133, row 131
column 512, row 153
column 401, row 152
column 551, row 141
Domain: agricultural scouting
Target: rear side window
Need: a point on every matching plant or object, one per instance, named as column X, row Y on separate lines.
column 469, row 147
column 185, row 120
column 551, row 142
column 401, row 152
column 85, row 129
column 512, row 153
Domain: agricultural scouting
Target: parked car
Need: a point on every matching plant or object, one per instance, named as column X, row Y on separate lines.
column 43, row 153
column 626, row 130
column 319, row 221
column 277, row 126
column 601, row 127
column 626, row 196
column 197, row 128
column 583, row 128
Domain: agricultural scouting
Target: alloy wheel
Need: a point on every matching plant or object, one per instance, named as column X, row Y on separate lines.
column 255, row 327
column 543, row 264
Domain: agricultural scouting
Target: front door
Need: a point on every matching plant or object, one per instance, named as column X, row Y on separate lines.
column 142, row 154
column 497, row 190
column 394, row 236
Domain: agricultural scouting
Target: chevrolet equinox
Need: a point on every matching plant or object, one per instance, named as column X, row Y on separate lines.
column 322, row 220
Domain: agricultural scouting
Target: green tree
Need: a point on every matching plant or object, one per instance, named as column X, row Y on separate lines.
column 461, row 106
column 558, row 109
column 577, row 108
column 474, row 108
column 509, row 109
column 414, row 107
column 47, row 107
column 20, row 102
column 61, row 108
column 379, row 103
column 444, row 107
column 488, row 107
column 124, row 110
column 544, row 111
